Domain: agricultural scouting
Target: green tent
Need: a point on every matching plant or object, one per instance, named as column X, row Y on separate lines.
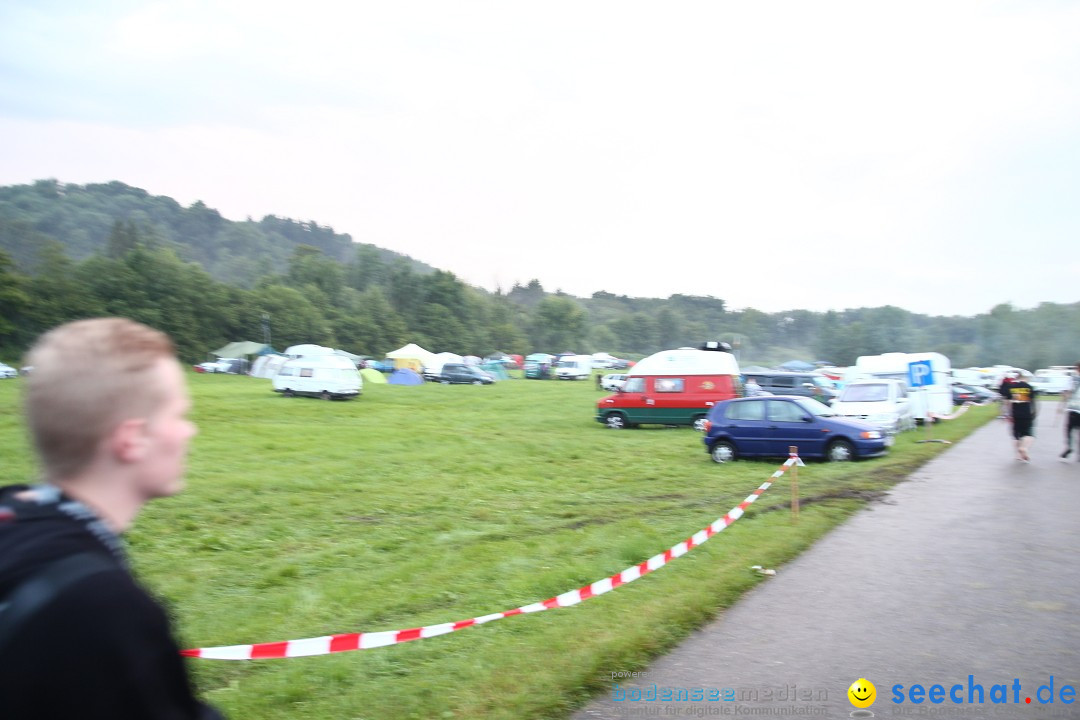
column 371, row 375
column 496, row 369
column 241, row 349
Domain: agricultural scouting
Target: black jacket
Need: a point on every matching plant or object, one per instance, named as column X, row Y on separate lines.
column 102, row 647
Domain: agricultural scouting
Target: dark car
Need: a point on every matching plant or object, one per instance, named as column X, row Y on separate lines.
column 962, row 394
column 807, row 384
column 974, row 393
column 768, row 426
column 460, row 373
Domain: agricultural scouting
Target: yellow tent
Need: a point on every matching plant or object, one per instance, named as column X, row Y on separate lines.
column 411, row 356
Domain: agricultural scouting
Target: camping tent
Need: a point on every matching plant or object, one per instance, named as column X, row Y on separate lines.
column 496, row 369
column 356, row 359
column 440, row 359
column 405, row 376
column 411, row 356
column 755, row 369
column 241, row 348
column 267, row 366
column 373, row 376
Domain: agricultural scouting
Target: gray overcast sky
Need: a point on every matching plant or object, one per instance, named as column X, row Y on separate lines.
column 778, row 155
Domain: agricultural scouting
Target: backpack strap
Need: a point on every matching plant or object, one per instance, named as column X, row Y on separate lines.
column 40, row 589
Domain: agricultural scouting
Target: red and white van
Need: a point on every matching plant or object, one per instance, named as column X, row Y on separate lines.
column 672, row 387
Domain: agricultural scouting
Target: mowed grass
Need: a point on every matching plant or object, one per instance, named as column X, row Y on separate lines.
column 420, row 505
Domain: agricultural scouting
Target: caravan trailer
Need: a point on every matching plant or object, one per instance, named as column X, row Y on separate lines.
column 326, row 376
column 935, row 397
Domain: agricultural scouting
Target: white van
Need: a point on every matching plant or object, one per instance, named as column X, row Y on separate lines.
column 574, row 367
column 1050, row 382
column 325, row 376
column 883, row 403
column 935, row 397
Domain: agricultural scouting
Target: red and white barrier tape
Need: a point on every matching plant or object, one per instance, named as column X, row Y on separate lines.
column 365, row 641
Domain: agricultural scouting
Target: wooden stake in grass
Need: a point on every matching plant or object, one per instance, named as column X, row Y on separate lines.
column 793, row 451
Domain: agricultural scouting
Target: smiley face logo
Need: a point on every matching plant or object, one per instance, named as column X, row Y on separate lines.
column 862, row 693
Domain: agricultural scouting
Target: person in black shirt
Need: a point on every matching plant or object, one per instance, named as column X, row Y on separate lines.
column 106, row 405
column 1020, row 399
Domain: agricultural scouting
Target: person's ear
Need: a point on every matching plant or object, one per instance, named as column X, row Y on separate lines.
column 128, row 442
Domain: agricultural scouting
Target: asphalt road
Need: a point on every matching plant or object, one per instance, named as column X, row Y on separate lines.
column 968, row 568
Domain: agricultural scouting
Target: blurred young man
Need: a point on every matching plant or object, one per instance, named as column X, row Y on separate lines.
column 1020, row 402
column 106, row 405
column 1072, row 413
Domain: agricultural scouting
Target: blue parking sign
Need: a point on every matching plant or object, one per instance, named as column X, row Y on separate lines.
column 920, row 374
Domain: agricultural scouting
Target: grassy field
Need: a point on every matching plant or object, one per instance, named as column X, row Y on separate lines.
column 419, row 505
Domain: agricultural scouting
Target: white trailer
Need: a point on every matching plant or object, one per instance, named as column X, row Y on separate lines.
column 325, row 376
column 935, row 393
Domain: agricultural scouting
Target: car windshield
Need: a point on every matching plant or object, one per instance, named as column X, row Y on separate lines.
column 814, row 407
column 869, row 392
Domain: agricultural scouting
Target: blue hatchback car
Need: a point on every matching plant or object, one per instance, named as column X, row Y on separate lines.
column 766, row 426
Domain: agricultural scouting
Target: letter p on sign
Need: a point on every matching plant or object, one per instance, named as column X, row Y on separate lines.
column 920, row 374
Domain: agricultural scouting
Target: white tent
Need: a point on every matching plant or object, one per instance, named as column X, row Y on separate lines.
column 411, row 356
column 440, row 359
column 266, row 366
column 355, row 358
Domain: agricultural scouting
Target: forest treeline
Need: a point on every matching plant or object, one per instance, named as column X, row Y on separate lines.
column 73, row 251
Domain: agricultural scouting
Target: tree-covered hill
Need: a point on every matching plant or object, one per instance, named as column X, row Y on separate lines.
column 82, row 218
column 71, row 251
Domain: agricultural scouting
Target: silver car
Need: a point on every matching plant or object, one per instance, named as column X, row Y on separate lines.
column 6, row 371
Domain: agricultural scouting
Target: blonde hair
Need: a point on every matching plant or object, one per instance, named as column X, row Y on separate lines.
column 89, row 376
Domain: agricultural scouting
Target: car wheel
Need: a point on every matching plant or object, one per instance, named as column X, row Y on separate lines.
column 840, row 451
column 699, row 423
column 326, row 395
column 445, row 382
column 477, row 382
column 615, row 421
column 723, row 452
column 287, row 392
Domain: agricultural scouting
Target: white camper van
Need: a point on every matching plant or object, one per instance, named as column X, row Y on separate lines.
column 882, row 402
column 934, row 396
column 574, row 367
column 325, row 376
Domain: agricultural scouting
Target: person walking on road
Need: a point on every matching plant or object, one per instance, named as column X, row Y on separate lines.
column 1072, row 414
column 1020, row 408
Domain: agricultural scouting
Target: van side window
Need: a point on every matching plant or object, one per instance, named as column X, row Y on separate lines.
column 669, row 385
column 306, row 372
column 749, row 410
column 634, row 385
column 783, row 382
